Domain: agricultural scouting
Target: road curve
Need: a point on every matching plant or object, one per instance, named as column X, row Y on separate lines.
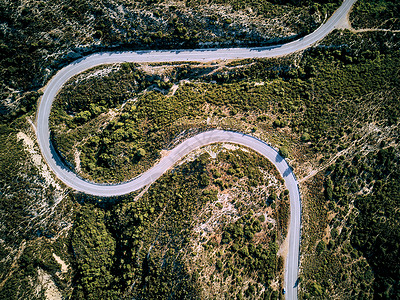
column 202, row 139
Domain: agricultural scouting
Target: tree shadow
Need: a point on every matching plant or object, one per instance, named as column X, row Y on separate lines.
column 296, row 284
column 287, row 172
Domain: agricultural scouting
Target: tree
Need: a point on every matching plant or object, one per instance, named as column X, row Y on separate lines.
column 141, row 153
column 321, row 247
column 219, row 265
column 83, row 116
column 283, row 151
column 305, row 137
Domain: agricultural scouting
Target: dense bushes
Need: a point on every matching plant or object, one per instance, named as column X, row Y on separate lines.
column 93, row 248
column 364, row 232
column 144, row 248
column 377, row 231
column 321, row 100
column 331, row 94
column 40, row 37
column 136, row 229
column 382, row 14
column 253, row 258
column 18, row 192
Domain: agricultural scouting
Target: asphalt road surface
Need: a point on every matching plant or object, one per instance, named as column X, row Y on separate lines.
column 206, row 138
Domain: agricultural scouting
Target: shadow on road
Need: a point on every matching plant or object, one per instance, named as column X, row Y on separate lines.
column 278, row 158
column 287, row 172
column 296, row 284
column 58, row 158
column 260, row 49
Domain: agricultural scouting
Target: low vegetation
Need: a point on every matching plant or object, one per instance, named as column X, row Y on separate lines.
column 39, row 37
column 376, row 14
column 326, row 103
column 316, row 100
column 159, row 245
column 359, row 249
column 332, row 110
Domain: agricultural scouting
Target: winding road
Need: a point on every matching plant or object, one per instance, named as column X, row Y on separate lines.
column 202, row 139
